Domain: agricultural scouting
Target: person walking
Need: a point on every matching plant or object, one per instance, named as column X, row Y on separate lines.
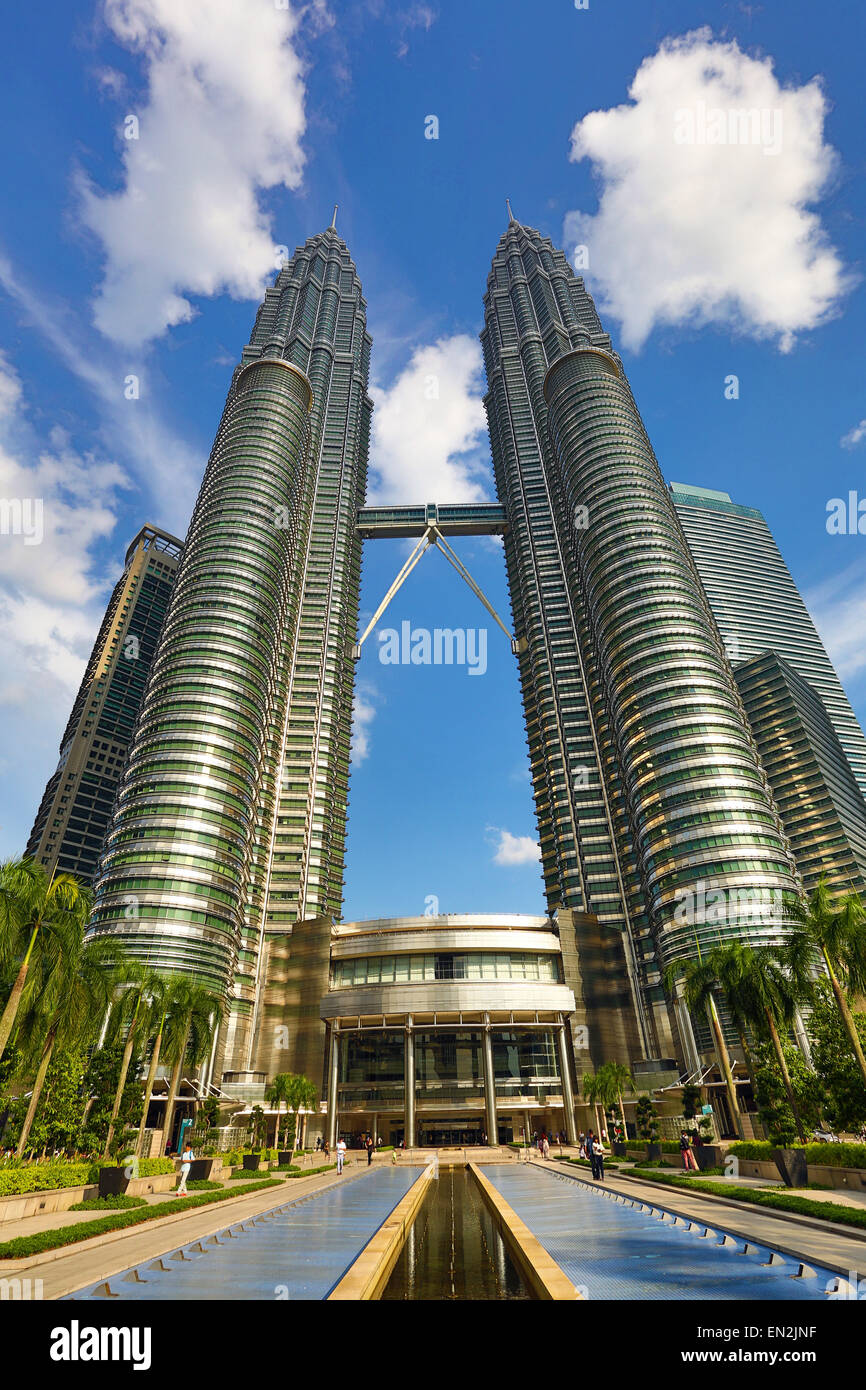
column 689, row 1161
column 545, row 1146
column 581, row 1145
column 369, row 1150
column 186, row 1159
column 598, row 1156
column 341, row 1154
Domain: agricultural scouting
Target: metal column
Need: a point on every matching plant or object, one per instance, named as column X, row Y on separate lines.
column 489, row 1085
column 563, row 1039
column 333, row 1082
column 409, row 1087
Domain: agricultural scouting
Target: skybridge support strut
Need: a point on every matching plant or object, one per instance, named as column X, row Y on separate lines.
column 432, row 537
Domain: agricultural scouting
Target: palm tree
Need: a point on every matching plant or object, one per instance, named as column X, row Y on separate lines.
column 619, row 1080
column 139, row 999
column 595, row 1088
column 299, row 1094
column 34, row 911
column 700, row 983
column 160, row 1013
column 191, row 1021
column 837, row 929
column 68, row 1010
column 278, row 1094
column 765, row 992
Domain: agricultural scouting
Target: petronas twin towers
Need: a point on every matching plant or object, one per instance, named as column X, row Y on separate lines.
column 230, row 821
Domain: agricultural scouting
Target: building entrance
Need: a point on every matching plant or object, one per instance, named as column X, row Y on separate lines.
column 451, row 1133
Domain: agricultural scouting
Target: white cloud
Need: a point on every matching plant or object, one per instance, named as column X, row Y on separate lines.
column 363, row 714
column 223, row 118
column 51, row 600
column 429, row 428
column 169, row 469
column 514, row 849
column 855, row 436
column 700, row 232
column 838, row 607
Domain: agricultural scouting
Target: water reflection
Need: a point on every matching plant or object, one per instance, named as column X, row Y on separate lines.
column 454, row 1250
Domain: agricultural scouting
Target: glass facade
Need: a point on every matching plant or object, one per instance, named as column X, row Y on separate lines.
column 463, row 965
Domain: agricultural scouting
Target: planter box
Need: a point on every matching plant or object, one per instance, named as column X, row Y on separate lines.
column 285, row 1156
column 653, row 1151
column 19, row 1205
column 756, row 1168
column 254, row 1163
column 112, row 1182
column 709, row 1156
column 852, row 1178
column 203, row 1167
column 791, row 1163
column 620, row 1150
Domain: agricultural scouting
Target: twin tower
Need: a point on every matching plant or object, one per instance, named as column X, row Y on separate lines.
column 230, row 821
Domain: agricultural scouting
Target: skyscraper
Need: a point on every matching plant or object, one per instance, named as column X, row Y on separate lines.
column 231, row 817
column 648, row 789
column 756, row 603
column 75, row 811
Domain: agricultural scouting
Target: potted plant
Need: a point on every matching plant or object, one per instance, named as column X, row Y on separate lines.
column 790, row 1161
column 646, row 1117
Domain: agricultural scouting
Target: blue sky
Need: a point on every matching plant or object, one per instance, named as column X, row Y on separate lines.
column 146, row 257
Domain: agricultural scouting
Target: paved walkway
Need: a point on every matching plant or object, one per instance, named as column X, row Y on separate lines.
column 295, row 1251
column 66, row 1269
column 618, row 1249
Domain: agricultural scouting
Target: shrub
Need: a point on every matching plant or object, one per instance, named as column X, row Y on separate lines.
column 147, row 1167
column 828, row 1155
column 203, row 1185
column 43, row 1177
column 119, row 1202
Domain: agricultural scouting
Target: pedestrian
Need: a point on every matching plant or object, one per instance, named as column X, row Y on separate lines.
column 341, row 1154
column 581, row 1145
column 587, row 1144
column 185, row 1163
column 689, row 1160
column 545, row 1146
column 598, row 1155
column 369, row 1150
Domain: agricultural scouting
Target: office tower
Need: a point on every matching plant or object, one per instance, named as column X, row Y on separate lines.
column 819, row 801
column 756, row 603
column 648, row 788
column 230, row 821
column 75, row 810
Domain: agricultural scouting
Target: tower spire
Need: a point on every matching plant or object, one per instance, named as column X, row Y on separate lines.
column 334, row 218
column 511, row 216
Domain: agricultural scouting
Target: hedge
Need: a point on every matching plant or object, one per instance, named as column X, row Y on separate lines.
column 22, row 1247
column 669, row 1146
column 42, row 1177
column 306, row 1172
column 828, row 1155
column 121, row 1201
column 147, row 1167
column 784, row 1201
